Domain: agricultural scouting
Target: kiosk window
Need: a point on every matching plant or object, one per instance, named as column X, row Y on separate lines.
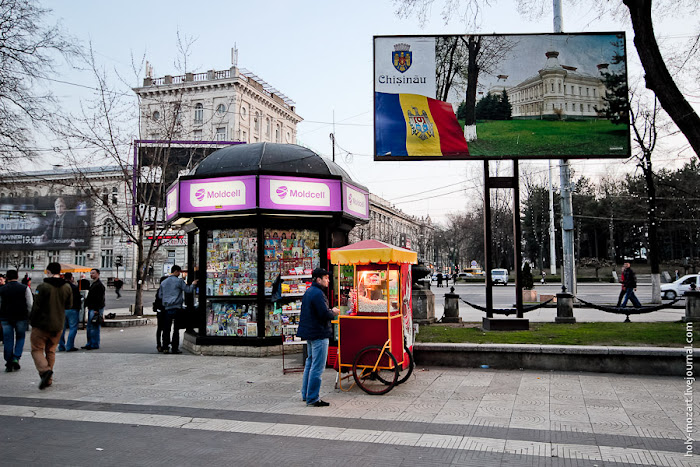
column 232, row 266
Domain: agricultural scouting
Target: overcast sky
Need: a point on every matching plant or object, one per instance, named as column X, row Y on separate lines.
column 319, row 53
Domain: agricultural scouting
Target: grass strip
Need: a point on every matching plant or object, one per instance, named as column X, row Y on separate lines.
column 666, row 334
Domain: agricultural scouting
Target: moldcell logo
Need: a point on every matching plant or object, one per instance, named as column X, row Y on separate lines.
column 282, row 192
column 199, row 194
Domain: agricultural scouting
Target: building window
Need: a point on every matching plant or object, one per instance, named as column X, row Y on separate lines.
column 220, row 109
column 156, row 116
column 107, row 259
column 80, row 257
column 53, row 256
column 593, row 92
column 5, row 260
column 115, row 193
column 197, row 135
column 289, row 137
column 245, row 137
column 267, row 127
column 28, row 259
column 108, row 228
column 198, row 113
column 220, row 134
column 256, row 122
column 559, row 85
column 566, row 105
column 244, row 112
column 581, row 107
column 277, row 134
column 171, row 254
column 589, row 107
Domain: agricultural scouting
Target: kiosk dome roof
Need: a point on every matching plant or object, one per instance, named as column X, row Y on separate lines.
column 280, row 159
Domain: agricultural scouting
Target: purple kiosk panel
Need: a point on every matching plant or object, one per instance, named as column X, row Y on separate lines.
column 355, row 201
column 299, row 194
column 217, row 194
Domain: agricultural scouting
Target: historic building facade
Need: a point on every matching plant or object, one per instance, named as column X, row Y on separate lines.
column 391, row 225
column 226, row 105
column 51, row 216
column 557, row 90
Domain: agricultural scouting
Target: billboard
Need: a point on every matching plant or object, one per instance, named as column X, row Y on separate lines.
column 527, row 96
column 45, row 222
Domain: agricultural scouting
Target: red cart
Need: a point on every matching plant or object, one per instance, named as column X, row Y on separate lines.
column 375, row 327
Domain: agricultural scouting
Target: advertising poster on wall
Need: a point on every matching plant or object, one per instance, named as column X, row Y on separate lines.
column 528, row 96
column 45, row 222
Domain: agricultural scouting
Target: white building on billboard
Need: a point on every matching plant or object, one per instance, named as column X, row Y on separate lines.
column 556, row 90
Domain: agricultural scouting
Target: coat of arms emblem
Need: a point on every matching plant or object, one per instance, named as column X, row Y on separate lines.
column 402, row 57
column 420, row 124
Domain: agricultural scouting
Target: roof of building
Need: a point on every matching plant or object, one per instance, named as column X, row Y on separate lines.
column 274, row 158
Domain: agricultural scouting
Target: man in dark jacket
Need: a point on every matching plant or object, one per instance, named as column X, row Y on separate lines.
column 72, row 317
column 53, row 296
column 315, row 328
column 630, row 285
column 15, row 302
column 95, row 303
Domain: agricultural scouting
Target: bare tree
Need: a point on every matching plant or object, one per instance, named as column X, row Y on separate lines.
column 102, row 133
column 28, row 49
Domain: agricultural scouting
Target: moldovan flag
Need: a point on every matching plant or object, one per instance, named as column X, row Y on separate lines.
column 414, row 125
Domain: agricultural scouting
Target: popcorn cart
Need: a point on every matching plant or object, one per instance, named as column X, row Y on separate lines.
column 375, row 327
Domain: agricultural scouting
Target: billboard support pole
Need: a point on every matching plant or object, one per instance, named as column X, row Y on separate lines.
column 567, row 219
column 511, row 183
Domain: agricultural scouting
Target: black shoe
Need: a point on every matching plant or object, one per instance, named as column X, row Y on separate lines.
column 45, row 379
column 15, row 365
column 72, row 349
column 320, row 403
column 166, row 350
column 86, row 347
column 176, row 351
column 8, row 368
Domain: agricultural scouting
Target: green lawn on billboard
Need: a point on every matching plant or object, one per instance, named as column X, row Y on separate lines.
column 548, row 138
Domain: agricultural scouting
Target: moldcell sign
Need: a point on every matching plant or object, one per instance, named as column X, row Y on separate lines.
column 355, row 201
column 217, row 194
column 299, row 194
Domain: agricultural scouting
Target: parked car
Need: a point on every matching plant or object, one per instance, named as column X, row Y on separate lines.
column 464, row 275
column 679, row 287
column 499, row 276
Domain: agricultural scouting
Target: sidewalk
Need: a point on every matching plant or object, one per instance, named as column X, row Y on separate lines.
column 125, row 404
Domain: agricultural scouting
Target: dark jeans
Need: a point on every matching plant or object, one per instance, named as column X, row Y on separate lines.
column 12, row 347
column 160, row 329
column 172, row 319
column 629, row 295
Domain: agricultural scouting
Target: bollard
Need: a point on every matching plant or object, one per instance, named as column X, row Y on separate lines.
column 692, row 307
column 451, row 307
column 565, row 308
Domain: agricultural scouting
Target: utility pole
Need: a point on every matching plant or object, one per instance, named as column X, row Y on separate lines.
column 567, row 218
column 552, row 240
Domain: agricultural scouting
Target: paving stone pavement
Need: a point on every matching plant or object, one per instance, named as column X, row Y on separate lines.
column 121, row 408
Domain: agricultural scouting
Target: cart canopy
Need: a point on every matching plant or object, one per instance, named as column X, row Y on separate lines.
column 67, row 267
column 372, row 251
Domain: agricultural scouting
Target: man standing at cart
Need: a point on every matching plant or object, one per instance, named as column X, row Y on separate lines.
column 315, row 328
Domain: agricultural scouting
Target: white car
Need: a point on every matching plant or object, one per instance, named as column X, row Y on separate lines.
column 499, row 276
column 679, row 287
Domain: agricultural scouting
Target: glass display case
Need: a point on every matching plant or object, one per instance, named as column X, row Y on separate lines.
column 232, row 262
column 377, row 291
column 228, row 318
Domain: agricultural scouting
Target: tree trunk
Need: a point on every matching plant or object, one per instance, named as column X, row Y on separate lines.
column 474, row 45
column 658, row 78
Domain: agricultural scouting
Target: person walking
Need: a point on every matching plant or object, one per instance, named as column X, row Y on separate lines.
column 16, row 301
column 47, row 318
column 172, row 293
column 118, row 284
column 447, row 279
column 315, row 328
column 72, row 316
column 622, row 287
column 439, row 279
column 630, row 285
column 95, row 303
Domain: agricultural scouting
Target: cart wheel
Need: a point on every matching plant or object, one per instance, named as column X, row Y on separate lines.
column 405, row 374
column 376, row 382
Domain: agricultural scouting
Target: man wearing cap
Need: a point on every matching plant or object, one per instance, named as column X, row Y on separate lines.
column 315, row 328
